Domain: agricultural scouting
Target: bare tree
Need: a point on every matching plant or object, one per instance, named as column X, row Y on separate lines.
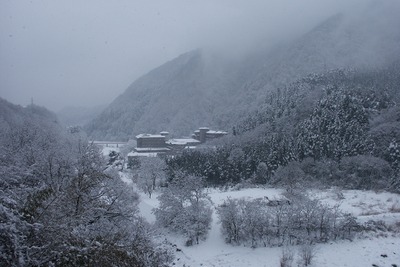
column 287, row 257
column 185, row 208
column 290, row 176
column 150, row 174
column 307, row 253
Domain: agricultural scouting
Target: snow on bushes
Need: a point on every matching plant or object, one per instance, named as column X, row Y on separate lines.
column 255, row 223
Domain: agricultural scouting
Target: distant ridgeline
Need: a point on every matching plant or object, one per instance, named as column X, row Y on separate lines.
column 206, row 88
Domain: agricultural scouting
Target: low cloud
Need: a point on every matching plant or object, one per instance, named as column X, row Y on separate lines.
column 86, row 53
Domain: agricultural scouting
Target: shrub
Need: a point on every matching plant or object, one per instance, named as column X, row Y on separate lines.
column 365, row 172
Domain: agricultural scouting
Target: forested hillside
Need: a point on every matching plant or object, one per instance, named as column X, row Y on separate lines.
column 204, row 88
column 59, row 206
column 337, row 128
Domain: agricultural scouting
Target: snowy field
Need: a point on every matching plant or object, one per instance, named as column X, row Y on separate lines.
column 357, row 253
column 376, row 249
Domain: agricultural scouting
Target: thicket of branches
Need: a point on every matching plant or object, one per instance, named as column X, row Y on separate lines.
column 256, row 223
column 185, row 208
column 148, row 173
column 59, row 206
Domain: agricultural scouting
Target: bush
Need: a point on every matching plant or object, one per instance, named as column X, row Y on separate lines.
column 256, row 223
column 365, row 172
column 307, row 253
column 287, row 257
column 289, row 176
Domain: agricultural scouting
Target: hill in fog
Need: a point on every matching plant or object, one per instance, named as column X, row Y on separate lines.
column 78, row 116
column 204, row 88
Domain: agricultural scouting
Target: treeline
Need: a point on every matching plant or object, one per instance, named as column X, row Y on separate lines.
column 346, row 122
column 59, row 204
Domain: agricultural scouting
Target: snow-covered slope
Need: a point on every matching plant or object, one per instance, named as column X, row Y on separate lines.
column 177, row 97
column 357, row 253
column 203, row 88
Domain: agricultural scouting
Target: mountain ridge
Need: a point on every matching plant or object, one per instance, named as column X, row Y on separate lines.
column 200, row 88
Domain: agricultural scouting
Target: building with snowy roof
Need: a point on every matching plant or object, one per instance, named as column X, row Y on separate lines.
column 204, row 134
column 178, row 144
column 150, row 141
column 158, row 144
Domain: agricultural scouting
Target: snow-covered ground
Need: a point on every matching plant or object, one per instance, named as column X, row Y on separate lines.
column 379, row 250
column 376, row 250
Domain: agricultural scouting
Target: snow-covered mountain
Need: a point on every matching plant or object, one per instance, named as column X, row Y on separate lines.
column 203, row 88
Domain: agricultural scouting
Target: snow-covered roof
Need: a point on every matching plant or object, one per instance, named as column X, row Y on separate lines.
column 149, row 136
column 182, row 141
column 216, row 132
column 210, row 131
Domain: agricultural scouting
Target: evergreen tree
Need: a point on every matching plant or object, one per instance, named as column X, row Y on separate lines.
column 338, row 127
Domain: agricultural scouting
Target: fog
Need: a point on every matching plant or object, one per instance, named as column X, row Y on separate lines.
column 85, row 53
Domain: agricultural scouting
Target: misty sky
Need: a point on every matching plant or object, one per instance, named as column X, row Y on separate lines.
column 86, row 53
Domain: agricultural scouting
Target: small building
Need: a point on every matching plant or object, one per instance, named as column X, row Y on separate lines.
column 151, row 144
column 150, row 141
column 204, row 134
column 178, row 144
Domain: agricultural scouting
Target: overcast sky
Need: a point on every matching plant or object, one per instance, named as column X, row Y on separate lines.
column 85, row 53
